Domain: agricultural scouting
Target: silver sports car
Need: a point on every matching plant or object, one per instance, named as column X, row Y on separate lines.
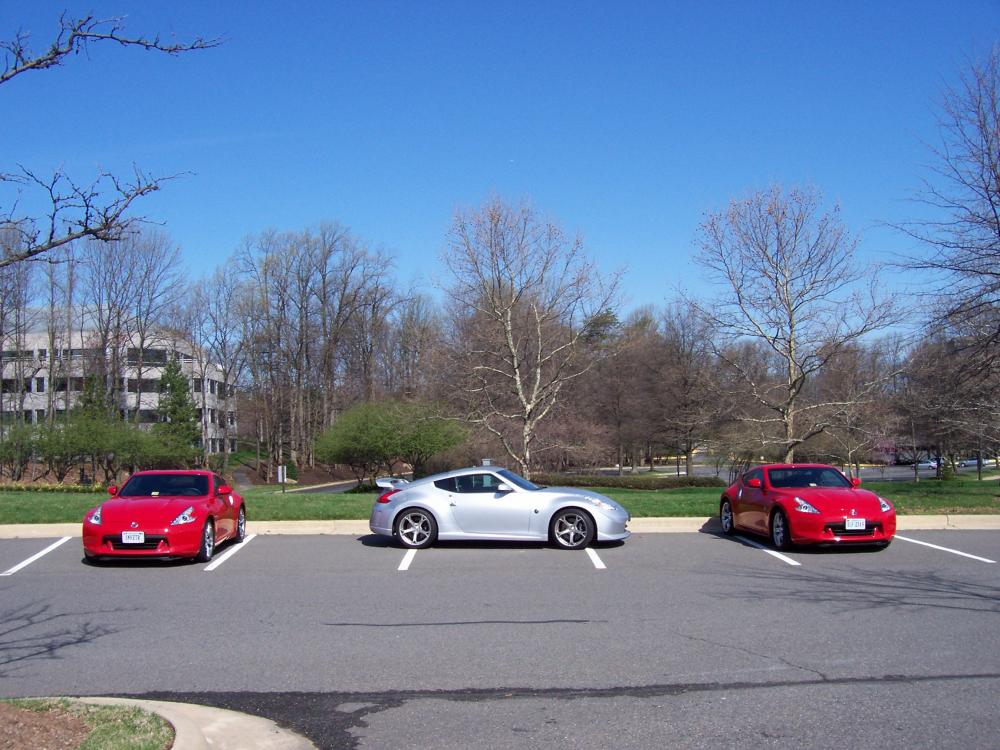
column 487, row 502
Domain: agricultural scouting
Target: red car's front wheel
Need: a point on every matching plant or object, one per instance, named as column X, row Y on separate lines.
column 781, row 535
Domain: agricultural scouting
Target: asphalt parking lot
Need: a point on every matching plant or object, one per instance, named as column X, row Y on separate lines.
column 676, row 640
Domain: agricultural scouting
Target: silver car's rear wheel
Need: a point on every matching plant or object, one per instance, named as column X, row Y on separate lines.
column 572, row 529
column 416, row 528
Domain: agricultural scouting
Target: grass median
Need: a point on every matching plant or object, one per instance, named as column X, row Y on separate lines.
column 270, row 504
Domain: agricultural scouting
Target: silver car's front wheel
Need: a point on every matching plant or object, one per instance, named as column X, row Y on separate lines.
column 572, row 529
column 416, row 529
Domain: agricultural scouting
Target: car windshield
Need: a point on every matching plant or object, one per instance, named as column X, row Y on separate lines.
column 518, row 481
column 814, row 476
column 158, row 485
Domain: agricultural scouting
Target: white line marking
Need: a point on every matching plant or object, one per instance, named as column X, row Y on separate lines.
column 771, row 552
column 229, row 553
column 407, row 559
column 31, row 559
column 945, row 549
column 598, row 563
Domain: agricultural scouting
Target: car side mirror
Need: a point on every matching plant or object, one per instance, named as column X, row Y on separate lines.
column 112, row 490
column 855, row 481
column 224, row 489
column 504, row 488
column 755, row 483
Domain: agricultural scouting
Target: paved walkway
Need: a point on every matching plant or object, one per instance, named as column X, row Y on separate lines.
column 202, row 727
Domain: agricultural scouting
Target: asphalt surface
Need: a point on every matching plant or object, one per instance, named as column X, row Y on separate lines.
column 681, row 640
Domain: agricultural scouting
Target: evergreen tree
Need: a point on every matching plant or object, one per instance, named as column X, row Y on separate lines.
column 178, row 428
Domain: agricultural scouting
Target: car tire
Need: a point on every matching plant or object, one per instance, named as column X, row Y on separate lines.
column 726, row 517
column 571, row 528
column 207, row 542
column 241, row 526
column 781, row 536
column 415, row 528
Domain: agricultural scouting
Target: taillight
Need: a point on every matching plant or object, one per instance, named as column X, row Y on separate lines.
column 384, row 497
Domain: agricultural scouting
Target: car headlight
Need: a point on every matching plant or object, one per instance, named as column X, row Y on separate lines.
column 884, row 505
column 95, row 517
column 187, row 516
column 601, row 504
column 803, row 507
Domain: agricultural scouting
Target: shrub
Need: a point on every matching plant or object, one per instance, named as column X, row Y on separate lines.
column 630, row 482
column 21, row 487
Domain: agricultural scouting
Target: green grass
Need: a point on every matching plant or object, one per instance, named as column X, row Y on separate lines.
column 270, row 504
column 111, row 727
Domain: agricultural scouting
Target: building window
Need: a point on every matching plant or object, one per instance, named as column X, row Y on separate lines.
column 211, row 387
column 39, row 416
column 232, row 445
column 39, row 385
column 43, row 353
column 197, row 385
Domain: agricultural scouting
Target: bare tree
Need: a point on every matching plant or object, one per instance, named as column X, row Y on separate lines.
column 791, row 283
column 964, row 191
column 98, row 209
column 523, row 296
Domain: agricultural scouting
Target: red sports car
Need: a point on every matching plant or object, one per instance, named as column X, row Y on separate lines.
column 165, row 514
column 806, row 504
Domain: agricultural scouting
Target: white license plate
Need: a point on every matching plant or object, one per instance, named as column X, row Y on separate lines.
column 135, row 537
column 854, row 524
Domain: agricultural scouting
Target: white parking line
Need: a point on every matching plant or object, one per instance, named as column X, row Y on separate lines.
column 773, row 553
column 407, row 559
column 945, row 549
column 598, row 563
column 229, row 553
column 31, row 559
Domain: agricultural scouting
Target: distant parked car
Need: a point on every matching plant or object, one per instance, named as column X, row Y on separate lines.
column 967, row 462
column 806, row 504
column 165, row 514
column 927, row 463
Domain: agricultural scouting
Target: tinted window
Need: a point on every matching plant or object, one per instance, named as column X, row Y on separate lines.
column 755, row 474
column 478, row 483
column 448, row 484
column 818, row 476
column 517, row 480
column 156, row 485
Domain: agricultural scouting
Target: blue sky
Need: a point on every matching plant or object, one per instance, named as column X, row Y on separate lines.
column 623, row 121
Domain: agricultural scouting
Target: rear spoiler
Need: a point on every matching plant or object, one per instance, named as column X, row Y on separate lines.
column 390, row 483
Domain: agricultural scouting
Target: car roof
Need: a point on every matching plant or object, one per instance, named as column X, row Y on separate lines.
column 456, row 473
column 146, row 472
column 796, row 466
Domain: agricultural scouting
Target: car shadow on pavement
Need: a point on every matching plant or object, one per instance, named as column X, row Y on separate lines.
column 377, row 540
column 713, row 527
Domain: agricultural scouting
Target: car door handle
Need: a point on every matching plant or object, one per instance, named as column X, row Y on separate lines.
column 452, row 505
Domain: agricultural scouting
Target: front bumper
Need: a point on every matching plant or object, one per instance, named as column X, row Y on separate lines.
column 613, row 528
column 169, row 541
column 812, row 528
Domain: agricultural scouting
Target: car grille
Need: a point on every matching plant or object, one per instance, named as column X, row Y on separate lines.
column 152, row 542
column 840, row 530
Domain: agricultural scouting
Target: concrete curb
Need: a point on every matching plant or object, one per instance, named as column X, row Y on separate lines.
column 968, row 522
column 199, row 727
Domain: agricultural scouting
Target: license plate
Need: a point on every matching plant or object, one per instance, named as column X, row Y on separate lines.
column 133, row 537
column 854, row 524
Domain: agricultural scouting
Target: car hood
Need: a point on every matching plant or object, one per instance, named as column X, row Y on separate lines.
column 158, row 510
column 838, row 500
